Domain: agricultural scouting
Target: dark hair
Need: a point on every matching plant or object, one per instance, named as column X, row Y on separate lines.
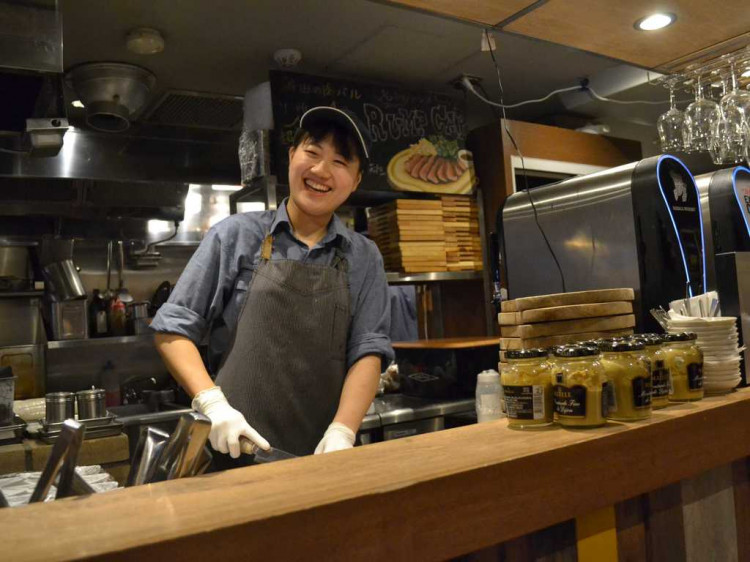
column 343, row 140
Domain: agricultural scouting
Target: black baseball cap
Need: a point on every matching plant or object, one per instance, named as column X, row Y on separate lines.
column 342, row 117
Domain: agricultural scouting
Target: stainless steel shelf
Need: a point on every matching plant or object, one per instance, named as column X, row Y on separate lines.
column 434, row 277
column 94, row 342
column 21, row 294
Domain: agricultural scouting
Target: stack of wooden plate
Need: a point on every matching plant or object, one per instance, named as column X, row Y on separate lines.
column 551, row 320
column 462, row 244
column 410, row 235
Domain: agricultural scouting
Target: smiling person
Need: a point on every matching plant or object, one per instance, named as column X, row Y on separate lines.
column 295, row 305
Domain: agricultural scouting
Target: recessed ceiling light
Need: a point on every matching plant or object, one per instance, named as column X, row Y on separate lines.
column 655, row 21
column 77, row 103
column 746, row 74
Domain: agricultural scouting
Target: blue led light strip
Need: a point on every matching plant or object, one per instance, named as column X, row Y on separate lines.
column 674, row 224
column 737, row 170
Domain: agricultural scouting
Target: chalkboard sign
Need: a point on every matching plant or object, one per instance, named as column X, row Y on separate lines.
column 418, row 137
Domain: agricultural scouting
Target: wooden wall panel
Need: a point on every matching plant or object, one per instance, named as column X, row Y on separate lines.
column 486, row 12
column 606, row 27
column 741, row 477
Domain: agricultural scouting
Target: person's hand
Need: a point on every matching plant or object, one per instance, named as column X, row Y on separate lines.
column 228, row 426
column 336, row 438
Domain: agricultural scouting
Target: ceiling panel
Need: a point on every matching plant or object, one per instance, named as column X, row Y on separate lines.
column 606, row 27
column 486, row 12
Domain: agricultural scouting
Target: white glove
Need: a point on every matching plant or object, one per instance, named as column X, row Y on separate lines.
column 336, row 438
column 228, row 425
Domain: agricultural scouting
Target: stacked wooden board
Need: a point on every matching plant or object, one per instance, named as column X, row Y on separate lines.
column 463, row 246
column 551, row 320
column 418, row 235
column 410, row 235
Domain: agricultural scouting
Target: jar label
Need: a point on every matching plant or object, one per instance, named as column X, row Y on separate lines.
column 695, row 376
column 524, row 402
column 641, row 392
column 570, row 401
column 660, row 380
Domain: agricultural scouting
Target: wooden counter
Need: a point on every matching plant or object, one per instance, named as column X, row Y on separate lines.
column 427, row 497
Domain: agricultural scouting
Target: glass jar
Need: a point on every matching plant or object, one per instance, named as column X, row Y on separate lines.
column 660, row 378
column 685, row 363
column 630, row 377
column 581, row 390
column 527, row 388
column 488, row 396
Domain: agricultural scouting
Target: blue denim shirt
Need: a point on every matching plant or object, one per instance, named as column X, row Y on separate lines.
column 211, row 291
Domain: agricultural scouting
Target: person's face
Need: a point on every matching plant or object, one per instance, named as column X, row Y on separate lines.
column 321, row 179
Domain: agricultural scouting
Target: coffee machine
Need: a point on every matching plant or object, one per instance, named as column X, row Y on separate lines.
column 725, row 204
column 637, row 225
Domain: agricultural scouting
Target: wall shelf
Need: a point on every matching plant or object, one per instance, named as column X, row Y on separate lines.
column 395, row 278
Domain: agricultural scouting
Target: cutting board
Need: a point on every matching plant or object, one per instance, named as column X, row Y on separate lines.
column 578, row 326
column 570, row 312
column 564, row 299
column 551, row 341
column 445, row 343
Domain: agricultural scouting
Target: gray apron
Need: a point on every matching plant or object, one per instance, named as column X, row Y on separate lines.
column 285, row 367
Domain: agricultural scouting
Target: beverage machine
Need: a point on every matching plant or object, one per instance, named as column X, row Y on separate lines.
column 637, row 225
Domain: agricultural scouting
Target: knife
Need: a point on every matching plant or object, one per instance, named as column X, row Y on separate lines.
column 273, row 455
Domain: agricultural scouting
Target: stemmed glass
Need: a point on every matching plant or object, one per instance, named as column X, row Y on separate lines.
column 701, row 118
column 731, row 130
column 670, row 124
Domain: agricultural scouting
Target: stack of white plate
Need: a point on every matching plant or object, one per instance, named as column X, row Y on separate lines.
column 717, row 339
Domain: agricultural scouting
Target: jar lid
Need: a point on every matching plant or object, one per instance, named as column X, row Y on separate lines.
column 621, row 346
column 682, row 336
column 525, row 353
column 576, row 351
column 91, row 392
column 59, row 396
column 649, row 339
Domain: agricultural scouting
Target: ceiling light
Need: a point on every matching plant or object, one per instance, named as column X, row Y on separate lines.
column 145, row 41
column 746, row 74
column 77, row 103
column 655, row 21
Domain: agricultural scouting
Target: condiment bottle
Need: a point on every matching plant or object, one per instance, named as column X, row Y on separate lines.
column 581, row 390
column 98, row 326
column 630, row 377
column 685, row 363
column 527, row 388
column 660, row 378
column 488, row 396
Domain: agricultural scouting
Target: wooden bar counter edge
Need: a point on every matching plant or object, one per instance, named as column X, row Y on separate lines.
column 428, row 497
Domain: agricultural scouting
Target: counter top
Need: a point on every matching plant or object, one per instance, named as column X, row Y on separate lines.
column 432, row 496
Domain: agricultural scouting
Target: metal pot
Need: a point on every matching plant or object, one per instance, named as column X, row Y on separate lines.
column 59, row 406
column 91, row 404
column 65, row 284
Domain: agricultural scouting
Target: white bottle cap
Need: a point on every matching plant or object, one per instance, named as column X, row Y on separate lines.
column 488, row 376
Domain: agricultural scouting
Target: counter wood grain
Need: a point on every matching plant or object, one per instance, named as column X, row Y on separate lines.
column 428, row 497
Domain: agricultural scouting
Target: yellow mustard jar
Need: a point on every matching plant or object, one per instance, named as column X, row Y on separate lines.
column 527, row 388
column 581, row 390
column 630, row 377
column 660, row 378
column 685, row 363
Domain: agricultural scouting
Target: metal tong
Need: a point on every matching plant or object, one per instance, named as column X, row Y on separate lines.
column 62, row 462
column 185, row 454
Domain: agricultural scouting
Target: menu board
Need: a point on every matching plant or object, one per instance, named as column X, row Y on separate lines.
column 418, row 137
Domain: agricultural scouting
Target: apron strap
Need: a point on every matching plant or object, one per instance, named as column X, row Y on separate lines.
column 267, row 248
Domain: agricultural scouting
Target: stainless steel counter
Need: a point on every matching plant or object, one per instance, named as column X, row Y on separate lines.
column 397, row 408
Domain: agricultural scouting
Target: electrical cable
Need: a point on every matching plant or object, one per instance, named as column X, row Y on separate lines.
column 523, row 163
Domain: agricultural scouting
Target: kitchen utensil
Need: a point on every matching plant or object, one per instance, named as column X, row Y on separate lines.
column 62, row 460
column 203, row 462
column 661, row 317
column 198, row 430
column 122, row 293
column 65, row 283
column 161, row 295
column 108, row 290
column 91, row 404
column 273, row 455
column 59, row 406
column 151, row 444
column 69, row 320
column 137, row 315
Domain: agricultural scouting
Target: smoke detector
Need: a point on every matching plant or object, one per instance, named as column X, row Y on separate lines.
column 145, row 41
column 287, row 58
